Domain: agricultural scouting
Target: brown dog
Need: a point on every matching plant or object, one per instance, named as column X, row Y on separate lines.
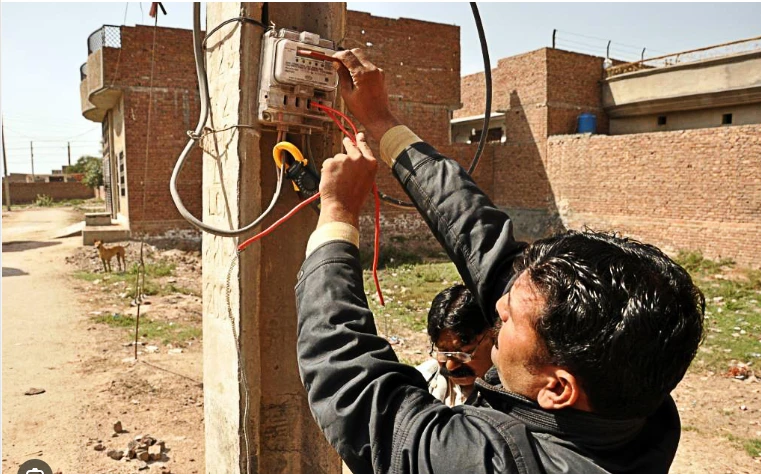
column 107, row 254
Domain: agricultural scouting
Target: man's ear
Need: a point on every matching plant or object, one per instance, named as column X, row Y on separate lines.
column 562, row 390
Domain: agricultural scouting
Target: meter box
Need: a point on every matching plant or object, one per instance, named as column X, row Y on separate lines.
column 291, row 78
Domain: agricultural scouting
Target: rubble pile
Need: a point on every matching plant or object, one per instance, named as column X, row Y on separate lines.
column 144, row 449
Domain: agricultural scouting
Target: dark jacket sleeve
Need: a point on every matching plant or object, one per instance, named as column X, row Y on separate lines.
column 476, row 235
column 376, row 412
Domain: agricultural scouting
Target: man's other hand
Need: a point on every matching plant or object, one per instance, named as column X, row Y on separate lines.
column 363, row 88
column 346, row 182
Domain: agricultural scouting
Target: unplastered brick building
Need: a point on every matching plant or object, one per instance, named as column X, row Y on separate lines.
column 146, row 99
column 675, row 158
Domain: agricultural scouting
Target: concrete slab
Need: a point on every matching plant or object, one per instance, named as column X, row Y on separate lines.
column 108, row 233
column 98, row 218
column 73, row 229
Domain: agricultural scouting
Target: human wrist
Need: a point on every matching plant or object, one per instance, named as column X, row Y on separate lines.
column 334, row 212
column 376, row 128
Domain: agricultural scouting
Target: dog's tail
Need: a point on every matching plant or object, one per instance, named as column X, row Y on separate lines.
column 126, row 245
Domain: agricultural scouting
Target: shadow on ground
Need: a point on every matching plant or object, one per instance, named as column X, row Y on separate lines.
column 22, row 245
column 13, row 272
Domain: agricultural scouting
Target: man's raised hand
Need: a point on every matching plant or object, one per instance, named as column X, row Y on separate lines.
column 346, row 182
column 363, row 89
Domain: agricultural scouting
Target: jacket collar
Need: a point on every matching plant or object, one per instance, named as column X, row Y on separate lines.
column 573, row 425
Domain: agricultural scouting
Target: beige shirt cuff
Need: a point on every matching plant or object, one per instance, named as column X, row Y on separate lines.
column 395, row 141
column 333, row 231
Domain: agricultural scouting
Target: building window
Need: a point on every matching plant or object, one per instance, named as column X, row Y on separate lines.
column 661, row 120
column 726, row 119
column 495, row 135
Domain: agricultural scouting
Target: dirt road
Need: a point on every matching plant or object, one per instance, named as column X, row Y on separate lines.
column 42, row 345
column 50, row 343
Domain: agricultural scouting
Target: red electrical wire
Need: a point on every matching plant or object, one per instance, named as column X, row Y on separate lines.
column 277, row 223
column 331, row 112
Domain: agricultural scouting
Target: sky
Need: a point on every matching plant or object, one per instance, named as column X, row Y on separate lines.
column 42, row 46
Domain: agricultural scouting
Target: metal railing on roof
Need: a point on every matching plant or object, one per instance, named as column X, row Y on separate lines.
column 694, row 55
column 83, row 71
column 108, row 36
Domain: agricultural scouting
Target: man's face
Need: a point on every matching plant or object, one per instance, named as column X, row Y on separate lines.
column 517, row 342
column 465, row 373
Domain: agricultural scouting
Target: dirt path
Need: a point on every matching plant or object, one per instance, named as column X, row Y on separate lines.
column 715, row 409
column 50, row 343
column 41, row 347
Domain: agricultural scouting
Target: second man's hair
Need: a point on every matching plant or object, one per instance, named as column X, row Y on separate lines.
column 456, row 309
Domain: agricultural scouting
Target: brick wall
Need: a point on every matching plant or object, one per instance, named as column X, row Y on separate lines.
column 693, row 189
column 174, row 110
column 573, row 88
column 697, row 189
column 421, row 61
column 473, row 93
column 22, row 193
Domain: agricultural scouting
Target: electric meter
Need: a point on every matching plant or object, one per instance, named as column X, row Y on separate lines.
column 292, row 76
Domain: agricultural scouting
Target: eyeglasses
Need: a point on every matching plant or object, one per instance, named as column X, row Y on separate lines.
column 461, row 357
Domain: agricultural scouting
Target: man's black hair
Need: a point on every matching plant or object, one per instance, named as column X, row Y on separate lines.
column 620, row 315
column 456, row 309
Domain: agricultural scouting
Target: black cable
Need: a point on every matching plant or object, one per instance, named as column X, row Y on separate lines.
column 487, row 107
column 203, row 91
column 487, row 78
column 240, row 18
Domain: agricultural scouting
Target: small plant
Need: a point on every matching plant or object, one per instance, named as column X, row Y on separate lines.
column 733, row 300
column 164, row 332
column 694, row 262
column 751, row 446
column 43, row 200
column 159, row 269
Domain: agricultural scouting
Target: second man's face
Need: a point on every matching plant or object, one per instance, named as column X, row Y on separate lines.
column 465, row 373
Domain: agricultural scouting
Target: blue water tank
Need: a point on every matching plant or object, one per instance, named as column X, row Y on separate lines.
column 587, row 123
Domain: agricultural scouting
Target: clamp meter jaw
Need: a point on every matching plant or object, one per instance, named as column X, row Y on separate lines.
column 292, row 76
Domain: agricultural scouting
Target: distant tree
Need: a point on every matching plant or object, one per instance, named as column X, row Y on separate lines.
column 91, row 167
column 81, row 164
column 93, row 173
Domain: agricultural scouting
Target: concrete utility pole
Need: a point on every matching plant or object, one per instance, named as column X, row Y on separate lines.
column 238, row 183
column 68, row 147
column 31, row 155
column 7, row 189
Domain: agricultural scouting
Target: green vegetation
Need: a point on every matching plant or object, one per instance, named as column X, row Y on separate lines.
column 154, row 331
column 152, row 272
column 91, row 167
column 43, row 200
column 408, row 290
column 733, row 312
column 751, row 446
column 82, row 205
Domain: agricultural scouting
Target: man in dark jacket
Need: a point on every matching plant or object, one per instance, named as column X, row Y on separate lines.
column 595, row 332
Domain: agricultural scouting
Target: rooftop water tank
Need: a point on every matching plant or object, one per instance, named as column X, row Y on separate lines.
column 587, row 123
